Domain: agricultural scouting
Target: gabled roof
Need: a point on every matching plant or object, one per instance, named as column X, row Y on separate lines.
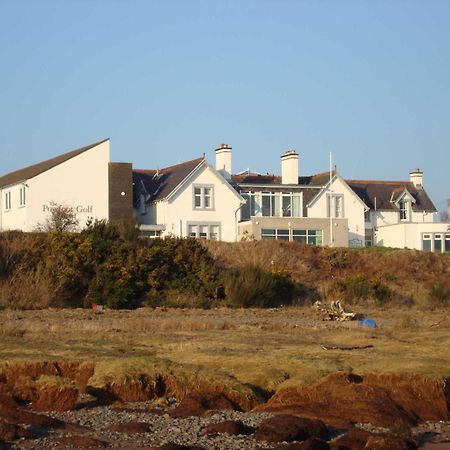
column 159, row 183
column 380, row 194
column 317, row 180
column 36, row 169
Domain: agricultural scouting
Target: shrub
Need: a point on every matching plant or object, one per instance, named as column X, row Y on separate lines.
column 252, row 286
column 359, row 288
column 439, row 294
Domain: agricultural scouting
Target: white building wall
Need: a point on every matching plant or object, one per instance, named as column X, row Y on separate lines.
column 381, row 218
column 179, row 211
column 16, row 217
column 407, row 235
column 353, row 210
column 80, row 183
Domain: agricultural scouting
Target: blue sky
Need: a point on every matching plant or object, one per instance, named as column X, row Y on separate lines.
column 169, row 80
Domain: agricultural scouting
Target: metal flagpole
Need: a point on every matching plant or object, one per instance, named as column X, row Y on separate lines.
column 330, row 203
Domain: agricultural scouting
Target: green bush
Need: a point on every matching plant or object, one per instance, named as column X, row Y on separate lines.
column 252, row 286
column 359, row 288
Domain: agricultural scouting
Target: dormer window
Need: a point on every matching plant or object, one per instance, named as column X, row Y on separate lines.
column 404, row 207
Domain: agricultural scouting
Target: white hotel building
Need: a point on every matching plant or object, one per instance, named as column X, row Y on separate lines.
column 201, row 200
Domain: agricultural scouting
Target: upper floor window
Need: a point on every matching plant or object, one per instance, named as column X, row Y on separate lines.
column 203, row 197
column 271, row 204
column 8, row 200
column 22, row 198
column 404, row 207
column 335, row 205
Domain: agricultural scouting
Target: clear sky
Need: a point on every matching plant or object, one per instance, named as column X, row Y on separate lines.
column 169, row 80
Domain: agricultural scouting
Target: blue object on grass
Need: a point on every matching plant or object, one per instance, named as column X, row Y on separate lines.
column 369, row 323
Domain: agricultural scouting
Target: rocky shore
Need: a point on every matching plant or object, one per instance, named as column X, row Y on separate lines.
column 342, row 412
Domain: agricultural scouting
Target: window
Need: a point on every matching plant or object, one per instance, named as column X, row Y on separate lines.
column 436, row 242
column 426, row 242
column 312, row 237
column 335, row 205
column 271, row 204
column 404, row 206
column 204, row 231
column 367, row 215
column 8, row 200
column 203, row 197
column 22, row 196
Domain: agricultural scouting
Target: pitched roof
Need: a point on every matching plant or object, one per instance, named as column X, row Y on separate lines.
column 317, row 180
column 36, row 169
column 159, row 183
column 382, row 194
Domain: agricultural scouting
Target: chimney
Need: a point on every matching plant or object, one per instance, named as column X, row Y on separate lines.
column 416, row 177
column 289, row 167
column 223, row 161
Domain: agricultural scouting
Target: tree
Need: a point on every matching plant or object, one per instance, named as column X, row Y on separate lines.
column 60, row 218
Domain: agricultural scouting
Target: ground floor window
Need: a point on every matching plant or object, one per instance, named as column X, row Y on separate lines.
column 204, row 231
column 436, row 242
column 151, row 234
column 313, row 237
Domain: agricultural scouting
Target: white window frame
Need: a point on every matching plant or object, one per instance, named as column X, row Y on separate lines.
column 311, row 237
column 7, row 200
column 333, row 201
column 202, row 194
column 204, row 230
column 22, row 196
column 255, row 200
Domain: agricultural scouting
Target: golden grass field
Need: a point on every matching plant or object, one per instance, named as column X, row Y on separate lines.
column 265, row 348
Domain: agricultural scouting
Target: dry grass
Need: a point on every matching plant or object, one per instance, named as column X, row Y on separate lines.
column 266, row 348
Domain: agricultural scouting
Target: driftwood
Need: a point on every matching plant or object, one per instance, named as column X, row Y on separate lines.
column 333, row 312
column 345, row 347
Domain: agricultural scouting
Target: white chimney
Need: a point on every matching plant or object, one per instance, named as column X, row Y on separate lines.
column 416, row 177
column 223, row 161
column 289, row 167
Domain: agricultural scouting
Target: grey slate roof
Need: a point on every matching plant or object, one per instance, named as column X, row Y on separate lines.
column 382, row 194
column 158, row 184
column 36, row 169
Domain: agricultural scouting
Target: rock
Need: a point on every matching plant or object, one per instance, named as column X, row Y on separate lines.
column 354, row 439
column 389, row 442
column 284, row 428
column 199, row 403
column 12, row 432
column 80, row 442
column 131, row 427
column 309, row 444
column 233, row 427
column 172, row 446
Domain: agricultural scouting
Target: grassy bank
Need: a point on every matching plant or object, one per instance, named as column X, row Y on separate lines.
column 267, row 348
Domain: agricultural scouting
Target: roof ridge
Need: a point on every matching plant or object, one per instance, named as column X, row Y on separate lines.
column 378, row 181
column 175, row 166
column 36, row 169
